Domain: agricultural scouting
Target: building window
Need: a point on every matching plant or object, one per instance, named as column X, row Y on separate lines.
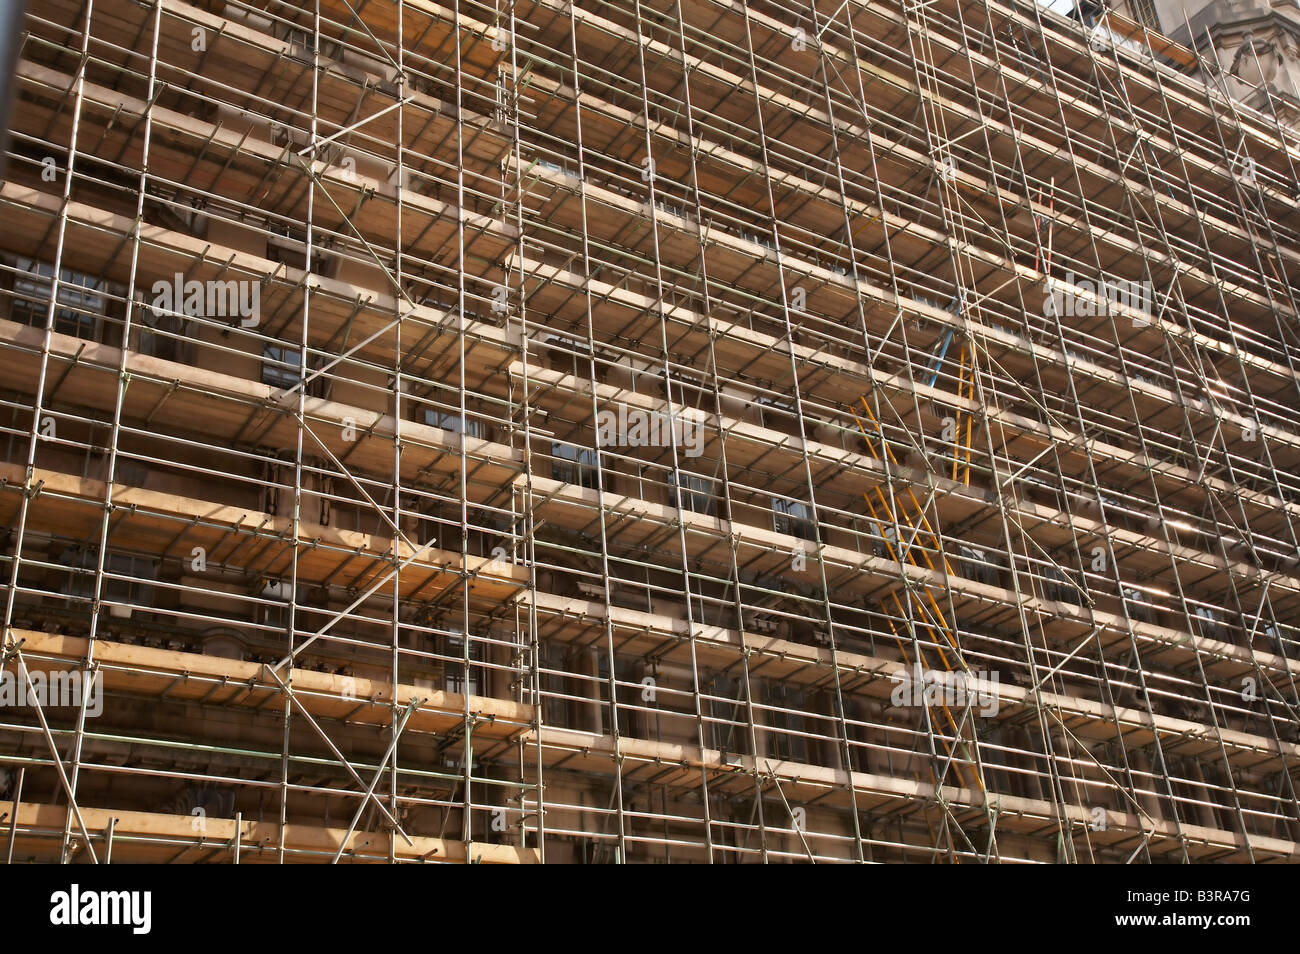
column 136, row 588
column 81, row 563
column 81, row 303
column 1058, row 588
column 1039, row 490
column 462, row 679
column 691, row 390
column 427, row 515
column 793, row 517
column 504, row 101
column 574, row 465
column 692, row 493
column 727, row 711
column 162, row 334
column 155, row 344
column 553, row 683
column 278, row 595
column 783, row 719
column 1144, row 12
column 570, row 356
column 1270, row 632
column 1207, row 622
column 451, row 421
column 1139, row 608
column 274, row 370
column 628, row 693
column 778, row 415
column 884, row 539
column 977, row 565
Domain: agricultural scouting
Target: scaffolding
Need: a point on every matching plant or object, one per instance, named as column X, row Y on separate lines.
column 644, row 431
